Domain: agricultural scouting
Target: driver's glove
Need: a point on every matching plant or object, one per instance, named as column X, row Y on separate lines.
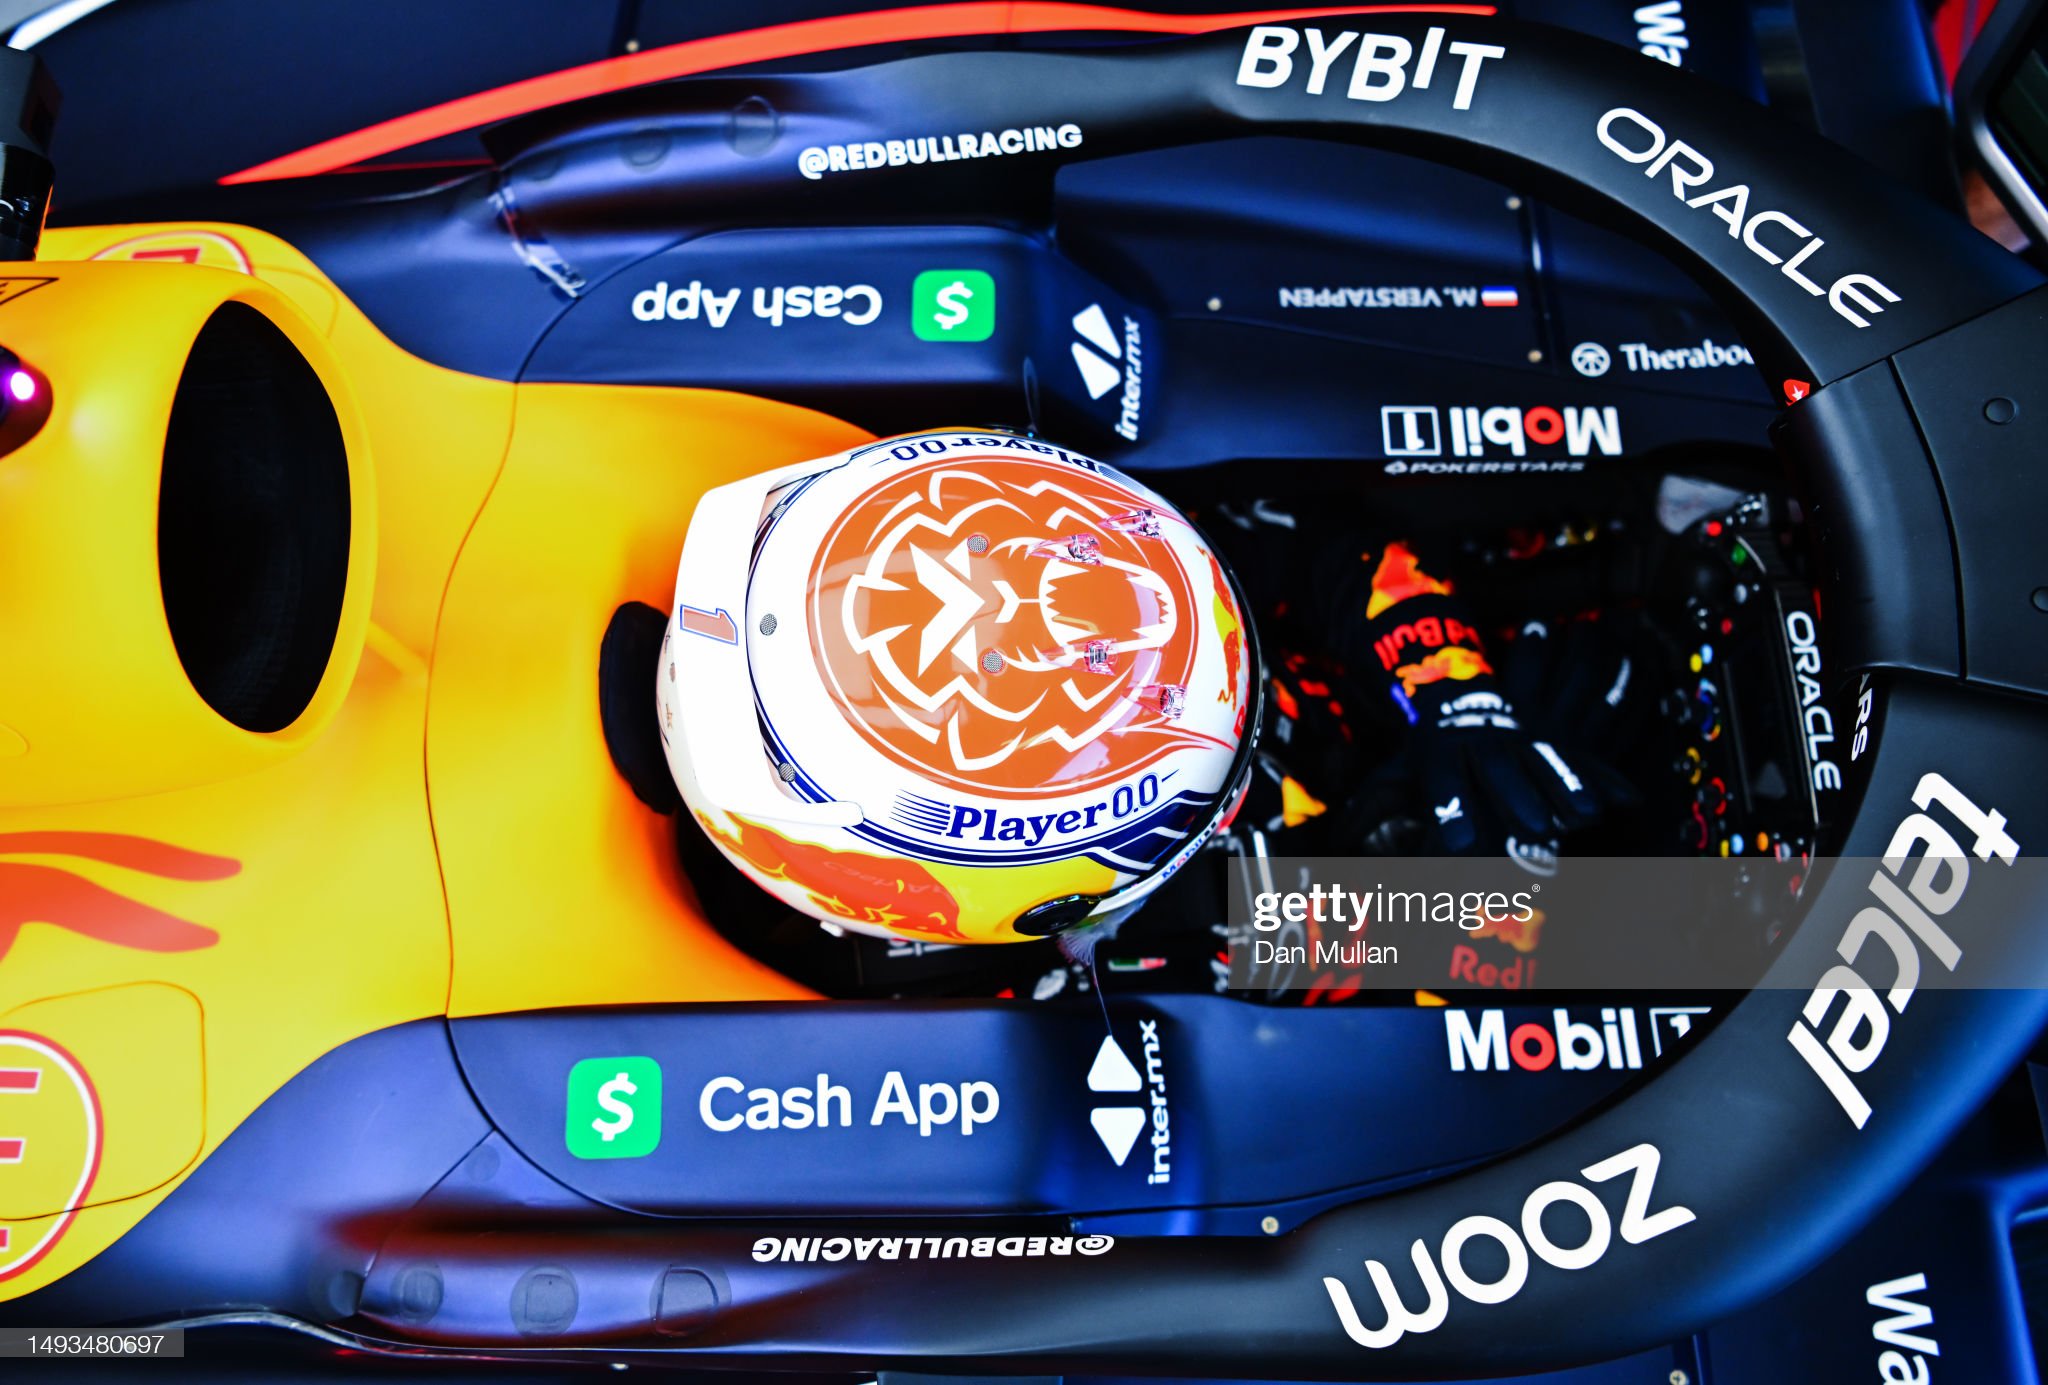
column 1485, row 775
column 1581, row 685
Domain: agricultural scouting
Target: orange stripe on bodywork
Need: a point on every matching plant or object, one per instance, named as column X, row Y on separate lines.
column 32, row 893
column 974, row 18
column 121, row 849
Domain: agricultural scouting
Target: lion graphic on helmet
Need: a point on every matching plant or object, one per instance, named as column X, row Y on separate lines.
column 1007, row 626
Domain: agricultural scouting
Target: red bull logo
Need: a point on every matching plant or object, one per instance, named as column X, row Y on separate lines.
column 1455, row 650
column 1454, row 663
column 1010, row 626
column 31, row 892
column 1398, row 577
column 883, row 891
column 1518, row 933
column 1230, row 626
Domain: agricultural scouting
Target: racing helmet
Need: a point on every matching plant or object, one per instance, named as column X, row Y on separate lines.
column 955, row 687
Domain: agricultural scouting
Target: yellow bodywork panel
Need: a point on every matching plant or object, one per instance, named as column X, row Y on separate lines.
column 566, row 891
column 444, row 833
column 151, row 1101
column 93, row 685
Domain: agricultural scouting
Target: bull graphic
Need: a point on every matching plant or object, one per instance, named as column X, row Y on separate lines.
column 885, row 891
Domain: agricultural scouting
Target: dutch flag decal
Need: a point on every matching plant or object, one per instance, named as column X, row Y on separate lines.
column 1496, row 296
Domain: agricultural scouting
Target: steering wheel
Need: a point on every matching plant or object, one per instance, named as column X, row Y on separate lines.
column 1908, row 348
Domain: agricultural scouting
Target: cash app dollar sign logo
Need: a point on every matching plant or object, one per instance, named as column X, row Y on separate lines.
column 620, row 1120
column 952, row 301
column 953, row 305
column 613, row 1109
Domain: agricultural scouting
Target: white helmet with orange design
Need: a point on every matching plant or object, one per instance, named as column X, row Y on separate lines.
column 955, row 686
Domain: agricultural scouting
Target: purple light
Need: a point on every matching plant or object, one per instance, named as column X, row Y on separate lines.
column 21, row 386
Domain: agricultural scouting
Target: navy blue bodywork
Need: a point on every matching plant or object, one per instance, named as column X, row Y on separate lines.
column 1285, row 295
